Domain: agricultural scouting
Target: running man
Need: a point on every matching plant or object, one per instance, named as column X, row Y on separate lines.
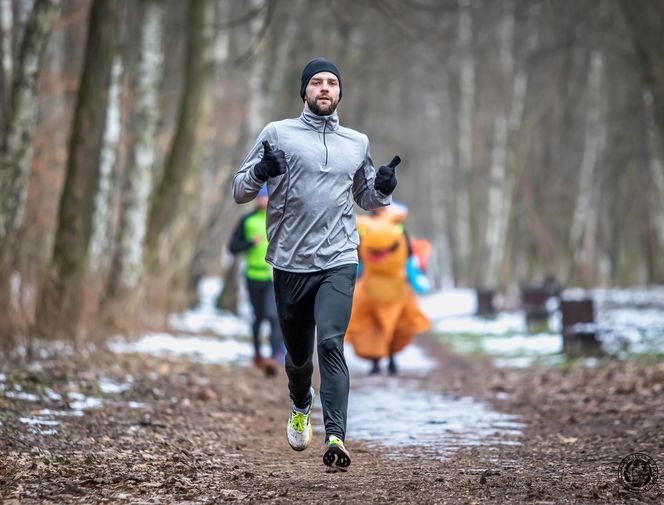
column 314, row 168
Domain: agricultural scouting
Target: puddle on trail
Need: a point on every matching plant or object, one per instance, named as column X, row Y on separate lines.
column 398, row 414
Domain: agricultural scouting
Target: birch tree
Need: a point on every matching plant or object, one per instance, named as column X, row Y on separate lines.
column 439, row 195
column 503, row 166
column 16, row 140
column 127, row 265
column 5, row 58
column 178, row 179
column 465, row 140
column 101, row 218
column 584, row 220
column 62, row 294
column 257, row 99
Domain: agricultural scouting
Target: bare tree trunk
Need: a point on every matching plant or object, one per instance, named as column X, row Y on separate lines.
column 17, row 139
column 101, row 219
column 465, row 139
column 496, row 201
column 230, row 291
column 127, row 264
column 180, row 166
column 5, row 59
column 222, row 41
column 503, row 169
column 497, row 169
column 257, row 100
column 60, row 300
column 657, row 169
column 441, row 240
column 582, row 238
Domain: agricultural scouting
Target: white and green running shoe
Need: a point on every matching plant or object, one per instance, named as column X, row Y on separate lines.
column 336, row 455
column 299, row 429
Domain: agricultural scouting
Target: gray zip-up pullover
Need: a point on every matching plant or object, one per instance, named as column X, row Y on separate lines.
column 310, row 217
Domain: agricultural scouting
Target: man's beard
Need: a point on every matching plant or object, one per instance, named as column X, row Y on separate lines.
column 321, row 111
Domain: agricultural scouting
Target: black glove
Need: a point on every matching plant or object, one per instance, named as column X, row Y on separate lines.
column 386, row 180
column 273, row 163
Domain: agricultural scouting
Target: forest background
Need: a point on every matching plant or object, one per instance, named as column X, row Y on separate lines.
column 531, row 133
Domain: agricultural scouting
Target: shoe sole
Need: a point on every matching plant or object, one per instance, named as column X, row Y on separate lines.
column 336, row 458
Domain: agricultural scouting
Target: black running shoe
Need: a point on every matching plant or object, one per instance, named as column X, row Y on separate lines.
column 336, row 455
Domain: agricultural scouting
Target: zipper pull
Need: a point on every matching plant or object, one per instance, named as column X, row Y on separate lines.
column 324, row 143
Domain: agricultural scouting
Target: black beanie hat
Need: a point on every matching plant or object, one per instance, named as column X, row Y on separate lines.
column 313, row 67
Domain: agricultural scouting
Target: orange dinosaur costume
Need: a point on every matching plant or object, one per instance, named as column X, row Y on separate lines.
column 385, row 314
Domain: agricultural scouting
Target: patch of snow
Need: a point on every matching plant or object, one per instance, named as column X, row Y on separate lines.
column 499, row 325
column 208, row 291
column 20, row 395
column 81, row 402
column 448, row 303
column 111, row 387
column 39, row 421
column 209, row 321
column 47, row 432
column 207, row 318
column 523, row 344
column 575, row 294
column 203, row 349
column 52, row 395
column 646, row 296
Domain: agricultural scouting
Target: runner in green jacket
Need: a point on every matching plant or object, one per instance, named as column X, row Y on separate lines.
column 250, row 237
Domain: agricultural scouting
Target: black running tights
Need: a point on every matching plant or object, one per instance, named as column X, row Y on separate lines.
column 309, row 304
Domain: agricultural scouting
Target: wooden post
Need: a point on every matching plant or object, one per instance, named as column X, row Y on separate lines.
column 579, row 328
column 485, row 306
column 534, row 298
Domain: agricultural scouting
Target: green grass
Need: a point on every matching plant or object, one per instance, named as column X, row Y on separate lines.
column 464, row 343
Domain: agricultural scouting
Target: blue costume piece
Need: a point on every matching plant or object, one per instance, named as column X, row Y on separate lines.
column 417, row 280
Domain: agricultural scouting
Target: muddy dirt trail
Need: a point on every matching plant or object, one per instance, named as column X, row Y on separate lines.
column 192, row 433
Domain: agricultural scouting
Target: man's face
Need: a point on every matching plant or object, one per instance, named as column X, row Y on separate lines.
column 322, row 93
